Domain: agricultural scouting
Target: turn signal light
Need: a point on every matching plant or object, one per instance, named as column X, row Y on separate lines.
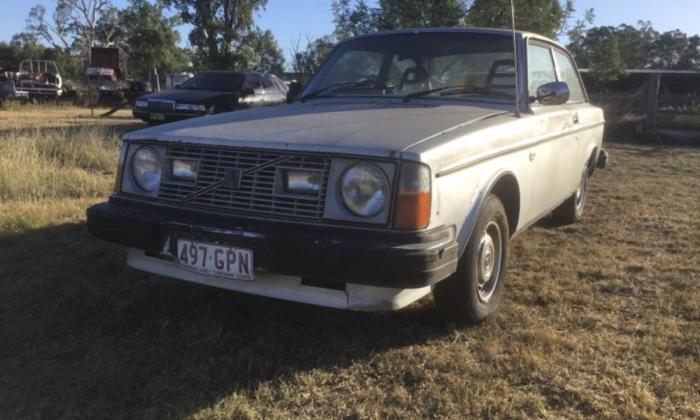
column 412, row 211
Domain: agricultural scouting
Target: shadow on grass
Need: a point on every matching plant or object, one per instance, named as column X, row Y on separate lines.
column 85, row 336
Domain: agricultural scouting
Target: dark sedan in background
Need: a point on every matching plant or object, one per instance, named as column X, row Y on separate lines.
column 211, row 92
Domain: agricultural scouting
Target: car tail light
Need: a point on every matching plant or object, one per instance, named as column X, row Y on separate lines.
column 413, row 199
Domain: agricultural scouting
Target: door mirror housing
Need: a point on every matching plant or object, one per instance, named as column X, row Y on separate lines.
column 554, row 93
column 294, row 90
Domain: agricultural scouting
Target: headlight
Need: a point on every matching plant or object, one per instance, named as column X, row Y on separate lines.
column 190, row 107
column 364, row 189
column 146, row 168
column 141, row 104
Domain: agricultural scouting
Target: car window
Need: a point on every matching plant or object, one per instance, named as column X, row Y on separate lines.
column 540, row 67
column 252, row 82
column 214, row 81
column 355, row 66
column 569, row 75
column 266, row 82
column 281, row 86
column 454, row 65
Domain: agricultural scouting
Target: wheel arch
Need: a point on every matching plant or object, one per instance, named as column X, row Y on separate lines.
column 505, row 186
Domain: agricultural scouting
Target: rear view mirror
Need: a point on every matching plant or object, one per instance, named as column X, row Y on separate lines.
column 294, row 90
column 554, row 93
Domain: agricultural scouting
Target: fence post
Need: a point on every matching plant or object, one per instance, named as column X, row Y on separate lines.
column 652, row 103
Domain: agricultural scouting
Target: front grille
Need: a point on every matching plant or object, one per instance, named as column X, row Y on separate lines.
column 158, row 105
column 256, row 192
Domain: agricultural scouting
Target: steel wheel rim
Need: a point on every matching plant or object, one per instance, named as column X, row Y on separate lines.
column 489, row 261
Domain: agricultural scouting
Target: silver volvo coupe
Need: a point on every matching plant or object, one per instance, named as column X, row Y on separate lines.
column 403, row 168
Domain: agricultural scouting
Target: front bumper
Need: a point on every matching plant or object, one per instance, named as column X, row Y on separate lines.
column 322, row 255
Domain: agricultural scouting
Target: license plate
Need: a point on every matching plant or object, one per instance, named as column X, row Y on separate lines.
column 157, row 117
column 216, row 260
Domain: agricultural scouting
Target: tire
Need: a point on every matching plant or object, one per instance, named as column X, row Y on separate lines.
column 571, row 210
column 473, row 293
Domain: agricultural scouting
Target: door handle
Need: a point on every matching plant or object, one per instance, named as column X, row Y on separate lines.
column 532, row 156
column 575, row 118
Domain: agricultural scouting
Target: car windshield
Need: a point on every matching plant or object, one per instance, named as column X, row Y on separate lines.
column 230, row 82
column 454, row 64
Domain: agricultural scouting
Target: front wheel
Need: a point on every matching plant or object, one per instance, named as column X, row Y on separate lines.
column 473, row 293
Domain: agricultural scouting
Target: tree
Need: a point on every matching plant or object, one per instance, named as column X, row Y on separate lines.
column 260, row 51
column 638, row 48
column 72, row 25
column 56, row 31
column 352, row 19
column 607, row 63
column 220, row 27
column 146, row 37
column 545, row 17
column 23, row 45
column 399, row 14
column 308, row 59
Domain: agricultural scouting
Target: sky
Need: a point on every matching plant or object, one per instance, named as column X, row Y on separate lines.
column 292, row 20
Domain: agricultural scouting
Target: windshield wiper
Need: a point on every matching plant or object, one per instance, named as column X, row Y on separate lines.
column 457, row 90
column 344, row 85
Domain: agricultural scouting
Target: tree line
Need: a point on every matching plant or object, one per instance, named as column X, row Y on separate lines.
column 224, row 34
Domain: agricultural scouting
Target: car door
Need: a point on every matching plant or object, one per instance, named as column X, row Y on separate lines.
column 585, row 118
column 547, row 121
column 551, row 151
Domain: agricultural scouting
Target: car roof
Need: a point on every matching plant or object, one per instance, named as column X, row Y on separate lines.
column 242, row 73
column 485, row 31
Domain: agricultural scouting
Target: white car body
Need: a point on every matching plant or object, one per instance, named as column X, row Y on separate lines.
column 470, row 147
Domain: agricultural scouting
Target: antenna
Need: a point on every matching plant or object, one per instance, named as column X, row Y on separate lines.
column 515, row 60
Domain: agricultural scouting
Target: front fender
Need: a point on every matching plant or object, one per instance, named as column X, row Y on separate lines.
column 483, row 189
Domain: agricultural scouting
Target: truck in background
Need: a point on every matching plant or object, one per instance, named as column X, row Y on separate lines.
column 40, row 79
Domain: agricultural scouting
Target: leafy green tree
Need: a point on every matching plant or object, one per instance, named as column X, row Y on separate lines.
column 220, row 28
column 607, row 63
column 638, row 47
column 146, row 37
column 72, row 27
column 22, row 46
column 260, row 51
column 308, row 60
column 398, row 14
column 353, row 18
column 545, row 17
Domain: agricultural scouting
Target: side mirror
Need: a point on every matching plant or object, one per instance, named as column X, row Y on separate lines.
column 178, row 86
column 247, row 92
column 293, row 92
column 554, row 93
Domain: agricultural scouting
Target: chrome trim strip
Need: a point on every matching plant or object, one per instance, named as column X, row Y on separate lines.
column 473, row 160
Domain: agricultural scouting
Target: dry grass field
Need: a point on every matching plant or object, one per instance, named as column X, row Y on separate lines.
column 600, row 319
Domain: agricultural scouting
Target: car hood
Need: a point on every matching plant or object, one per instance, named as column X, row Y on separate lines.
column 189, row 96
column 376, row 128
